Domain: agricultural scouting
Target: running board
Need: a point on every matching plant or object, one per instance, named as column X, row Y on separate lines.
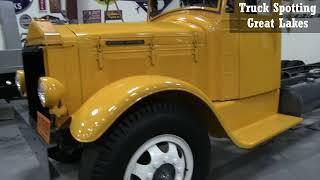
column 254, row 120
column 265, row 129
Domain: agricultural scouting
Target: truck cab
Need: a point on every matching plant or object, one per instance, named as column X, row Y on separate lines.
column 138, row 100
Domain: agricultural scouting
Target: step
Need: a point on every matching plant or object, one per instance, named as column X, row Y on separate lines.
column 264, row 129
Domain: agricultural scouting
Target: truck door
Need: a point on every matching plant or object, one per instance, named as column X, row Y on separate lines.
column 259, row 59
column 228, row 55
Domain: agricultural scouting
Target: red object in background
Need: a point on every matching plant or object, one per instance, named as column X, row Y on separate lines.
column 42, row 5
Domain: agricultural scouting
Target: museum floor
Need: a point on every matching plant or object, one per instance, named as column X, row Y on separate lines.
column 294, row 155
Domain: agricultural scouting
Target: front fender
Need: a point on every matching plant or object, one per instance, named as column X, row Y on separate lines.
column 100, row 111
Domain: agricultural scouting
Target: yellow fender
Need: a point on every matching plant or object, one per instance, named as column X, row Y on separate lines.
column 100, row 111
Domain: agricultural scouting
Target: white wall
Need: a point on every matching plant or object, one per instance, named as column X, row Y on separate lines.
column 301, row 46
column 34, row 11
column 128, row 8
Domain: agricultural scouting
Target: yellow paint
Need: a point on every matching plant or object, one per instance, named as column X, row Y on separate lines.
column 20, row 82
column 251, row 121
column 98, row 113
column 263, row 63
column 62, row 63
column 53, row 91
column 44, row 33
column 236, row 74
column 60, row 113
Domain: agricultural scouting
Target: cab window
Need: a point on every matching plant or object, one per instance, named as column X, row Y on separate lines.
column 161, row 6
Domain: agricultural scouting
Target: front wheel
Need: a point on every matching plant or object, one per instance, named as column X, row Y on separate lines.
column 162, row 141
column 169, row 157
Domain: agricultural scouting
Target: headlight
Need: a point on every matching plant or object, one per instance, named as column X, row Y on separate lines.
column 41, row 94
column 20, row 82
column 50, row 92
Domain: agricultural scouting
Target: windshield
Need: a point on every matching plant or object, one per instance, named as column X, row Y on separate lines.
column 162, row 6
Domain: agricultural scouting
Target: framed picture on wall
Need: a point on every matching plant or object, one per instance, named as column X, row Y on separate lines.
column 91, row 16
column 55, row 6
column 113, row 15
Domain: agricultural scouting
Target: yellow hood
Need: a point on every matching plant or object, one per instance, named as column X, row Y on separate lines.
column 45, row 33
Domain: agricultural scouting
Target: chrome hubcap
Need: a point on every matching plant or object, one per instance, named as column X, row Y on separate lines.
column 165, row 157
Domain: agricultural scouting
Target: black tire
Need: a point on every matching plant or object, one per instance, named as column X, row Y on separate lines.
column 108, row 157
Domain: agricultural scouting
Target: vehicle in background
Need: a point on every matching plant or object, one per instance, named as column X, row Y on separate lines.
column 10, row 51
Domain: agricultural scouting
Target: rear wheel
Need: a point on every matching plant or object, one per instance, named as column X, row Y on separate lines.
column 162, row 141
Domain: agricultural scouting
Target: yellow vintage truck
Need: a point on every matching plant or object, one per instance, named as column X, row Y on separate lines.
column 138, row 101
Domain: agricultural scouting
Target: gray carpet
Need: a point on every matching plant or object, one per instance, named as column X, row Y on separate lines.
column 17, row 160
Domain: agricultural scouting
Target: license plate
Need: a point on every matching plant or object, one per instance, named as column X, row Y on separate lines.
column 43, row 127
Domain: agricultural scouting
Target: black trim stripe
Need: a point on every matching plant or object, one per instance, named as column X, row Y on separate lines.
column 125, row 43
